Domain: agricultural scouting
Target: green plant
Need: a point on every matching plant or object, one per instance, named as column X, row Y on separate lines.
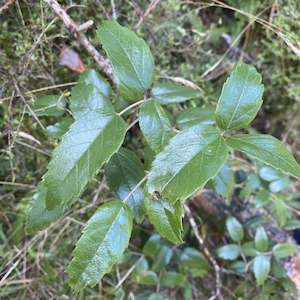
column 185, row 159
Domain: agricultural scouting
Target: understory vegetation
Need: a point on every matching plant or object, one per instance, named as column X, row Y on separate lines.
column 160, row 164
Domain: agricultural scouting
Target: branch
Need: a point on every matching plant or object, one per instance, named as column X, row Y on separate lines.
column 206, row 252
column 77, row 31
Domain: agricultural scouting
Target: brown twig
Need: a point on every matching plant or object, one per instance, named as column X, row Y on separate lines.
column 75, row 29
column 6, row 5
column 217, row 269
column 150, row 8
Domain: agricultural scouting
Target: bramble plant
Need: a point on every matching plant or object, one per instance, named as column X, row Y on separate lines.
column 186, row 157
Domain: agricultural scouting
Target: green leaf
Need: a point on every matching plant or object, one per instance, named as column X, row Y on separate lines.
column 284, row 250
column 123, row 172
column 91, row 77
column 281, row 210
column 229, row 252
column 241, row 98
column 49, row 105
column 38, row 216
column 267, row 149
column 131, row 58
column 85, row 148
column 248, row 249
column 235, row 229
column 167, row 93
column 153, row 246
column 261, row 240
column 173, row 279
column 223, row 183
column 261, row 268
column 192, row 157
column 194, row 116
column 269, row 174
column 166, row 218
column 103, row 241
column 59, row 129
column 155, row 125
column 191, row 258
column 163, row 258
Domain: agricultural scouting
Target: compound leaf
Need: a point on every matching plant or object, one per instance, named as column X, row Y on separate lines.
column 103, row 241
column 241, row 98
column 131, row 58
column 191, row 158
column 155, row 125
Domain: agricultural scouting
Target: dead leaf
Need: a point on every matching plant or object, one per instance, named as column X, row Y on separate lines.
column 70, row 59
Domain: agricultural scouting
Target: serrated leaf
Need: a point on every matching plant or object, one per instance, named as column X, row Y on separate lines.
column 267, row 149
column 235, row 229
column 103, row 241
column 261, row 240
column 38, row 215
column 84, row 148
column 49, row 105
column 166, row 218
column 167, row 93
column 123, row 172
column 194, row 116
column 155, row 125
column 191, row 158
column 261, row 268
column 131, row 58
column 91, row 77
column 241, row 98
column 229, row 252
column 284, row 250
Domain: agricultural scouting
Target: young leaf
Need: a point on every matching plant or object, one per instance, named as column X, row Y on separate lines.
column 261, row 240
column 123, row 172
column 241, row 98
column 49, row 105
column 166, row 218
column 131, row 58
column 38, row 216
column 155, row 125
column 284, row 250
column 103, row 241
column 261, row 268
column 235, row 229
column 229, row 252
column 267, row 149
column 84, row 149
column 191, row 158
column 194, row 116
column 167, row 93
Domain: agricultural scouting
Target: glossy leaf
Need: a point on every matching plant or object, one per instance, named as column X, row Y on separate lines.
column 261, row 268
column 166, row 218
column 84, row 148
column 38, row 216
column 284, row 250
column 267, row 149
column 167, row 93
column 261, row 240
column 194, row 116
column 191, row 158
column 155, row 125
column 123, row 172
column 131, row 59
column 229, row 252
column 235, row 229
column 49, row 105
column 103, row 241
column 241, row 98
